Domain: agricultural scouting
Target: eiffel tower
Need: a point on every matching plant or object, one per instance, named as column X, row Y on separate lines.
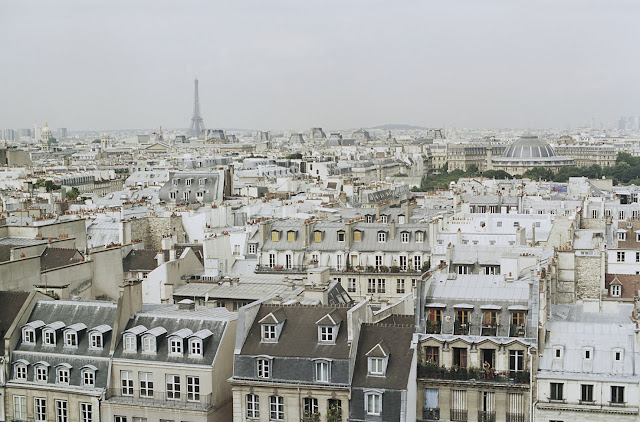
column 196, row 129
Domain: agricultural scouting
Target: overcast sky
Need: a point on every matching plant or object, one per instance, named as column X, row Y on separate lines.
column 301, row 63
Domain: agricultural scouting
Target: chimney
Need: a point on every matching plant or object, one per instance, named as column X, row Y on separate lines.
column 393, row 229
column 306, row 233
column 129, row 303
column 187, row 305
column 172, row 253
column 347, row 234
column 160, row 257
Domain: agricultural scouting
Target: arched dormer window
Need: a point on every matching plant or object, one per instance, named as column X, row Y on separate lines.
column 29, row 331
column 196, row 342
column 130, row 338
column 71, row 334
column 176, row 341
column 63, row 371
column 50, row 331
column 20, row 370
column 41, row 371
column 96, row 336
column 88, row 373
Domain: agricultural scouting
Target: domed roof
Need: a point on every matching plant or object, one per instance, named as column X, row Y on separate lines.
column 529, row 146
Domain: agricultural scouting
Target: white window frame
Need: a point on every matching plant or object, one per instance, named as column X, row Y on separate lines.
column 126, row 383
column 146, row 384
column 263, row 368
column 70, row 338
column 96, row 341
column 19, row 408
column 195, row 347
column 615, row 290
column 130, row 343
column 622, row 236
column 269, row 333
column 404, row 237
column 40, row 409
column 173, row 387
column 88, row 377
column 373, row 403
column 276, row 408
column 327, row 334
column 48, row 337
column 193, row 388
column 419, row 237
column 28, row 335
column 20, row 371
column 253, row 406
column 41, row 373
column 382, row 237
column 175, row 346
column 86, row 412
column 621, row 256
column 376, row 366
column 62, row 375
column 149, row 344
column 62, row 411
column 322, row 370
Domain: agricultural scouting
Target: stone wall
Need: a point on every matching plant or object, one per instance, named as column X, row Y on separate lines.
column 151, row 229
column 593, row 223
column 566, row 285
column 588, row 274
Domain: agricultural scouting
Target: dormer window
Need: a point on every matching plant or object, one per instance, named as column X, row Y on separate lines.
column 327, row 334
column 384, row 219
column 263, row 367
column 149, row 343
column 341, row 236
column 558, row 352
column 275, row 236
column 322, row 370
column 62, row 373
column 317, row 236
column 357, row 236
column 20, row 370
column 89, row 376
column 189, row 181
column 404, row 237
column 41, row 372
column 95, row 341
column 376, row 366
column 70, row 339
column 382, row 237
column 49, row 337
column 28, row 335
column 328, row 327
column 622, row 235
column 587, row 353
column 618, row 355
column 202, row 181
column 291, row 236
column 130, row 343
column 195, row 347
column 269, row 332
column 175, row 181
column 419, row 237
column 377, row 359
column 175, row 346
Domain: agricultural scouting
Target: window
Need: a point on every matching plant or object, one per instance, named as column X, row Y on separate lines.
column 62, row 411
column 617, row 355
column 400, row 285
column 622, row 235
column 172, row 195
column 557, row 352
column 620, row 256
column 253, row 406
column 463, row 269
column 28, row 336
column 403, row 262
column 291, row 236
column 40, row 409
column 327, row 334
column 617, row 394
column 175, row 346
column 19, row 408
column 175, row 182
column 71, row 339
column 620, row 215
column 202, row 182
column 373, row 403
column 384, row 219
column 322, row 371
column 195, row 347
column 357, row 236
column 119, row 419
column 263, row 368
column 62, row 375
column 148, row 344
column 460, row 356
column 517, row 318
column 404, row 237
column 193, row 388
column 378, row 261
column 492, row 270
column 516, row 360
column 432, row 354
column 351, row 285
column 185, row 195
column 275, row 236
column 587, row 353
column 339, row 262
column 499, row 224
column 417, row 262
column 376, row 366
column 130, row 343
column 88, row 378
column 341, row 236
column 269, row 332
column 95, row 340
column 382, row 237
column 126, row 380
column 616, row 290
column 272, row 260
column 173, row 387
column 20, row 371
column 86, row 412
column 462, row 316
column 276, row 408
column 310, row 407
column 490, row 318
column 382, row 285
column 50, row 338
column 556, row 391
column 419, row 237
column 252, row 248
column 586, row 393
column 146, row 384
column 371, row 285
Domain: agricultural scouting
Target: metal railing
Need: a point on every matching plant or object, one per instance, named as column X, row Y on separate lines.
column 515, row 417
column 458, row 415
column 179, row 400
column 431, row 371
column 486, row 416
column 431, row 413
column 281, row 269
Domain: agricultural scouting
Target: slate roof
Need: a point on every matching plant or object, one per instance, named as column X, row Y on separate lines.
column 57, row 257
column 140, row 260
column 397, row 341
column 173, row 320
column 10, row 304
column 299, row 336
column 630, row 284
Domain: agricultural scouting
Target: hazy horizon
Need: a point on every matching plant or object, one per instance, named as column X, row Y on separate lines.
column 289, row 64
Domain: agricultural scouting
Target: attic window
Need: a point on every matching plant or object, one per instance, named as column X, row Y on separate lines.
column 195, row 347
column 130, row 343
column 175, row 346
column 615, row 290
column 28, row 335
column 327, row 334
column 618, row 355
column 357, row 236
column 377, row 366
column 95, row 341
column 317, row 236
column 557, row 352
column 341, row 236
column 382, row 237
column 71, row 339
column 587, row 353
column 419, row 237
column 269, row 332
column 149, row 344
column 622, row 236
column 291, row 236
column 275, row 236
column 49, row 337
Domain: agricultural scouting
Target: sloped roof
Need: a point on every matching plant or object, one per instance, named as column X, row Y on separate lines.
column 140, row 260
column 57, row 257
column 10, row 304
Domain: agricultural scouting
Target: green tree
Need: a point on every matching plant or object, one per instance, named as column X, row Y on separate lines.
column 539, row 173
column 73, row 193
column 496, row 174
column 49, row 185
column 294, row 156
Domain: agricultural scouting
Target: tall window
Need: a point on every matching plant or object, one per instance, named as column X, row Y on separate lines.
column 276, row 408
column 40, row 409
column 620, row 256
column 516, row 360
column 617, row 394
column 340, row 238
column 517, row 318
column 173, row 387
column 490, row 318
column 351, row 285
column 263, row 368
column 339, row 262
column 193, row 388
column 382, row 237
column 272, row 260
column 382, row 283
column 378, row 261
column 371, row 285
column 310, row 407
column 322, row 371
column 373, row 403
column 417, row 262
column 86, row 412
column 432, row 354
column 62, row 411
column 253, row 406
column 400, row 285
column 586, row 393
column 126, row 378
column 19, row 408
column 403, row 262
column 462, row 316
column 419, row 237
column 404, row 237
column 556, row 392
column 146, row 384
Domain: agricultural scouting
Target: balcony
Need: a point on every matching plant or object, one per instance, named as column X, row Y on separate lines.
column 461, row 329
column 431, row 371
column 517, row 330
column 160, row 399
column 485, row 416
column 433, row 327
column 279, row 269
column 431, row 413
column 458, row 415
column 515, row 417
column 383, row 269
column 490, row 330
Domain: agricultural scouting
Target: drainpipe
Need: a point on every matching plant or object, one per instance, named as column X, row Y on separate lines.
column 531, row 369
column 299, row 404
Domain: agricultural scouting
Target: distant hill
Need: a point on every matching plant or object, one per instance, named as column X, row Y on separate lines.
column 398, row 127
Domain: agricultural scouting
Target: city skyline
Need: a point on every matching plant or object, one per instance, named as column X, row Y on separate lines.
column 286, row 66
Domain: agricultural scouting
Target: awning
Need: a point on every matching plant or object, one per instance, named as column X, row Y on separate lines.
column 491, row 307
column 436, row 305
column 518, row 308
column 463, row 306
